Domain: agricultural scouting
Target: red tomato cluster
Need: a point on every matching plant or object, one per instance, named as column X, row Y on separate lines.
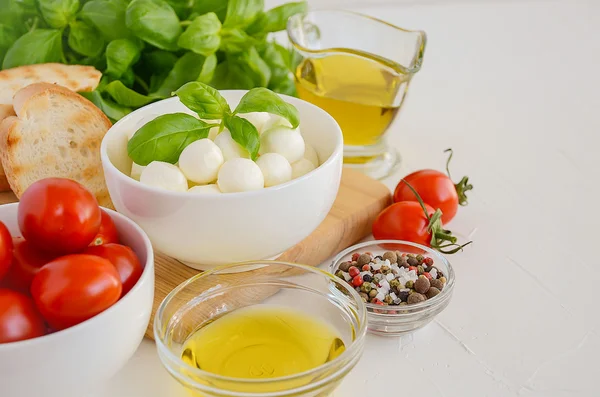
column 424, row 201
column 67, row 267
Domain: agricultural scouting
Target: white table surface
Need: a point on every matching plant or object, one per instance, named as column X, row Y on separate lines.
column 513, row 88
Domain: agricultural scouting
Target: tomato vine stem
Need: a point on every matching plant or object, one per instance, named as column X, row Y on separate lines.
column 440, row 238
column 463, row 186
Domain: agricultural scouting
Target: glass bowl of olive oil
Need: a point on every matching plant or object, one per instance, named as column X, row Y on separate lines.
column 358, row 69
column 261, row 329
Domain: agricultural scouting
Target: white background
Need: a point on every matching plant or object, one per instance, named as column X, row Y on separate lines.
column 513, row 87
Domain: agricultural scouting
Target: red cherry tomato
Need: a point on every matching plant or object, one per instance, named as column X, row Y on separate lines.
column 124, row 260
column 405, row 220
column 19, row 319
column 59, row 215
column 107, row 233
column 27, row 261
column 74, row 288
column 435, row 189
column 6, row 250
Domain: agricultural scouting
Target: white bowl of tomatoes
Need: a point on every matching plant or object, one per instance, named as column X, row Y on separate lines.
column 76, row 291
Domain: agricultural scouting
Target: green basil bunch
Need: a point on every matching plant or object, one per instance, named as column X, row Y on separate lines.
column 165, row 137
column 147, row 49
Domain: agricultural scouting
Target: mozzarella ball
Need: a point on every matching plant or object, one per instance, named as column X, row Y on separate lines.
column 205, row 189
column 240, row 175
column 230, row 148
column 258, row 119
column 212, row 133
column 136, row 171
column 301, row 167
column 285, row 141
column 276, row 121
column 165, row 176
column 275, row 169
column 311, row 155
column 200, row 161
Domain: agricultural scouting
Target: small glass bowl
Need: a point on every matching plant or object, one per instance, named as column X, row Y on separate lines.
column 398, row 320
column 224, row 289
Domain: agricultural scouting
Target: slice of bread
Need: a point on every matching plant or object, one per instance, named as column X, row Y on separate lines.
column 55, row 133
column 5, row 111
column 75, row 77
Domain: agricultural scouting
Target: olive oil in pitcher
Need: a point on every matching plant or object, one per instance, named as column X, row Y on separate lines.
column 360, row 93
column 357, row 68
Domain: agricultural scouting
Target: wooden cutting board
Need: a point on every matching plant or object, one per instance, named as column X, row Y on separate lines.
column 358, row 202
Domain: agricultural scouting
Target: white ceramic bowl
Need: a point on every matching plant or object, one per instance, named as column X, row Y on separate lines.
column 208, row 230
column 77, row 360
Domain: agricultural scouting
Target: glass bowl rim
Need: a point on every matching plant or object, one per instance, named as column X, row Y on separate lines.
column 389, row 311
column 353, row 349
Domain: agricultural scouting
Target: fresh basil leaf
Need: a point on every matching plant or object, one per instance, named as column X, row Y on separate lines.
column 263, row 100
column 126, row 96
column 279, row 71
column 202, row 35
column 231, row 75
column 204, row 100
column 241, row 13
column 99, row 61
column 182, row 8
column 108, row 16
column 8, row 35
column 235, row 40
column 159, row 61
column 29, row 7
column 219, row 7
column 291, row 57
column 155, row 66
column 276, row 19
column 187, row 68
column 165, row 137
column 253, row 65
column 155, row 22
column 113, row 111
column 37, row 46
column 121, row 54
column 208, row 69
column 285, row 86
column 245, row 133
column 11, row 13
column 84, row 39
column 58, row 13
column 128, row 78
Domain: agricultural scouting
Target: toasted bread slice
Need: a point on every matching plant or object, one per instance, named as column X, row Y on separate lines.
column 74, row 77
column 5, row 111
column 55, row 133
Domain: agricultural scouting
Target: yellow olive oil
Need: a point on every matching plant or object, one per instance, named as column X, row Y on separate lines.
column 260, row 342
column 362, row 94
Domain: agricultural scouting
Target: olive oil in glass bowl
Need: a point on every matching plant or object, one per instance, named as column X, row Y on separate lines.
column 358, row 69
column 261, row 329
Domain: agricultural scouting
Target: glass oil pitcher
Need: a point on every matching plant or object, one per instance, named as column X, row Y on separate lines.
column 358, row 69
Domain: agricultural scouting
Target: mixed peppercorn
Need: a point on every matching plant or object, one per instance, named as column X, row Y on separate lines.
column 393, row 278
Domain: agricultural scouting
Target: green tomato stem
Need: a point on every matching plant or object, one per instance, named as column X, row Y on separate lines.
column 461, row 187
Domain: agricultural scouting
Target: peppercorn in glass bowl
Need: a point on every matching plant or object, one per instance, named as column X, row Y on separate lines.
column 261, row 329
column 405, row 285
